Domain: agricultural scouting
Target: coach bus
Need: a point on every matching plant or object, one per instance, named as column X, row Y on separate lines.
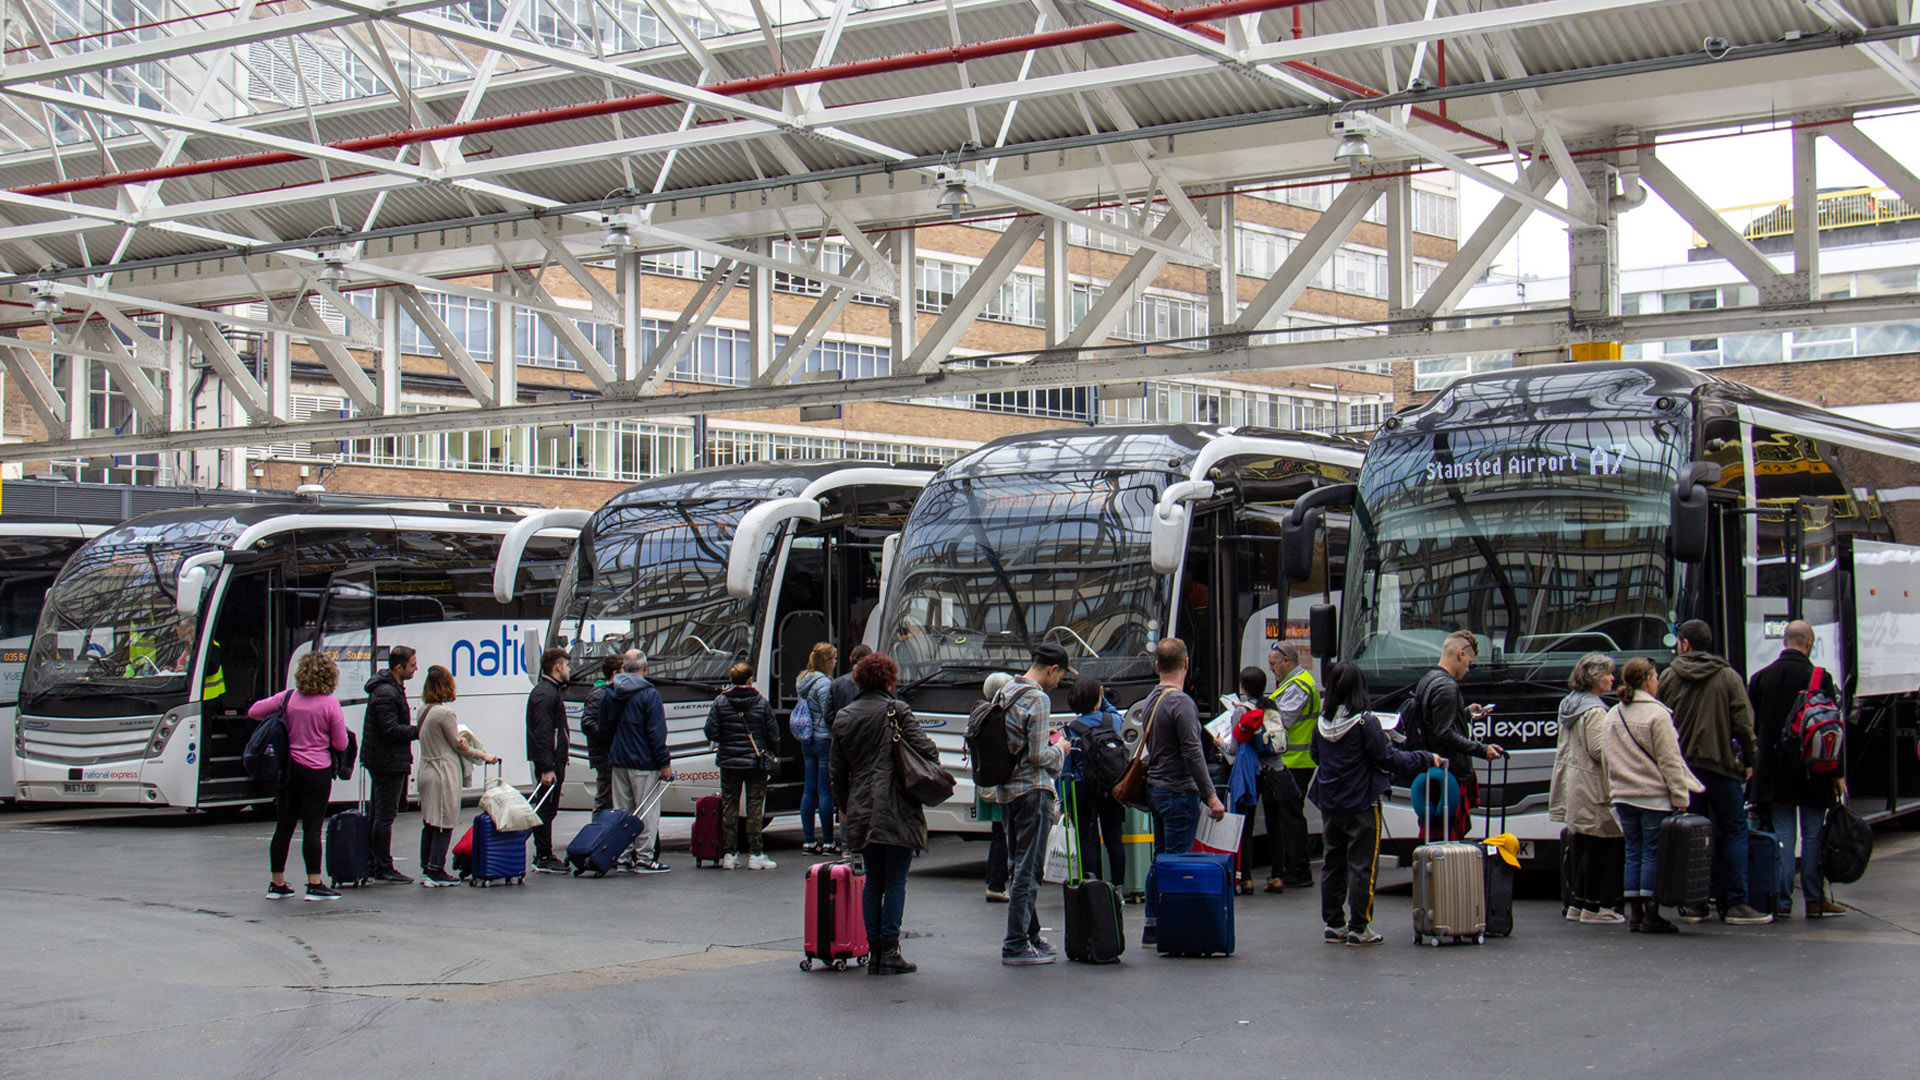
column 31, row 555
column 1576, row 508
column 706, row 569
column 160, row 632
column 1103, row 540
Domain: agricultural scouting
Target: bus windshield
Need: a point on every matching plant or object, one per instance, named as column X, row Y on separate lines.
column 1547, row 539
column 109, row 625
column 657, row 578
column 990, row 566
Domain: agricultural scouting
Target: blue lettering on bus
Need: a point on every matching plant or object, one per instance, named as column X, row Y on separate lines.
column 506, row 656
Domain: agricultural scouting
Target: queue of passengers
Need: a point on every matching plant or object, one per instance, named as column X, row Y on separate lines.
column 1693, row 737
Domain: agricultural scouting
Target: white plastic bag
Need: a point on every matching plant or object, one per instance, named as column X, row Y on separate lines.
column 1060, row 842
column 510, row 810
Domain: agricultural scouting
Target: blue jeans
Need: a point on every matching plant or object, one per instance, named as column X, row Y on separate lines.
column 1028, row 818
column 1813, row 822
column 885, row 900
column 1725, row 802
column 1642, row 829
column 1176, row 818
column 817, row 796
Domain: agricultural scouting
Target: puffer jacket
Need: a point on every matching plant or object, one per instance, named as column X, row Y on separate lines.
column 1579, row 796
column 386, row 737
column 866, row 787
column 1642, row 754
column 739, row 721
column 1712, row 714
column 1774, row 690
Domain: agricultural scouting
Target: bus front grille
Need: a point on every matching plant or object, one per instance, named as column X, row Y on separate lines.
column 70, row 744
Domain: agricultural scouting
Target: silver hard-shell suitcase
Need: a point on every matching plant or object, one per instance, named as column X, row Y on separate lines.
column 1449, row 893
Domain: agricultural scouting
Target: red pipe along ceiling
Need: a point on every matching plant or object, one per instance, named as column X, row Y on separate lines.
column 959, row 54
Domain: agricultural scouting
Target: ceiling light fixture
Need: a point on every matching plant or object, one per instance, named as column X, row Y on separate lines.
column 619, row 236
column 953, row 195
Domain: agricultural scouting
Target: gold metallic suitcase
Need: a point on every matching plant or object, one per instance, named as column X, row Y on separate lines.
column 1449, row 894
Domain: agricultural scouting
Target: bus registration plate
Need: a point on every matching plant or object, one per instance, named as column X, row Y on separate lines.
column 79, row 789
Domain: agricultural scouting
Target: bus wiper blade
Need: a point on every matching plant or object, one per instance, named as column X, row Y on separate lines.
column 942, row 672
column 695, row 684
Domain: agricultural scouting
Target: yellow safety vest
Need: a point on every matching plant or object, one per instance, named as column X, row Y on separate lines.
column 143, row 647
column 1299, row 754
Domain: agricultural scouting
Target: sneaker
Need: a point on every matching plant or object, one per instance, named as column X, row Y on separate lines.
column 811, row 848
column 1573, row 914
column 1825, row 909
column 1044, row 947
column 550, row 865
column 761, row 862
column 1335, row 935
column 998, row 896
column 651, row 866
column 1363, row 938
column 1656, row 923
column 435, row 878
column 1025, row 957
column 1691, row 914
column 317, row 891
column 1784, row 910
column 1742, row 915
column 730, row 862
column 1603, row 917
column 279, row 892
column 391, row 877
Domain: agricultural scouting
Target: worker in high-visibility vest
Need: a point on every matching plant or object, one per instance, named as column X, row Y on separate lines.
column 145, row 656
column 1297, row 699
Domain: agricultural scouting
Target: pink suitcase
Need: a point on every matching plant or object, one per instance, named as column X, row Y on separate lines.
column 706, row 830
column 836, row 923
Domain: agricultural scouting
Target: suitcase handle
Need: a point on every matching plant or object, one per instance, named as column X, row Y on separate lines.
column 1506, row 771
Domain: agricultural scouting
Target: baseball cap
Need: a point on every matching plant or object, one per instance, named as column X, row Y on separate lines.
column 1052, row 654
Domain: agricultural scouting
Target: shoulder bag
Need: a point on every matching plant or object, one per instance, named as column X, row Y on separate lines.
column 1131, row 790
column 925, row 782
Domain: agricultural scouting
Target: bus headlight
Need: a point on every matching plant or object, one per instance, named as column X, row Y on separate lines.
column 162, row 732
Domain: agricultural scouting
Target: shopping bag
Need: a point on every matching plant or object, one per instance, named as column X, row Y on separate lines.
column 510, row 810
column 1219, row 837
column 1060, row 853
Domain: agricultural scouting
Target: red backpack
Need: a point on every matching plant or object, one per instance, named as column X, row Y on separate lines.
column 1815, row 734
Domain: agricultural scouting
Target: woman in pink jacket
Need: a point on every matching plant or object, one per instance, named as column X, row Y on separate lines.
column 315, row 728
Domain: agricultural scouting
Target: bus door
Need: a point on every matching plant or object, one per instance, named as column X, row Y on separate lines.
column 1206, row 610
column 800, row 621
column 245, row 653
column 1263, row 610
column 349, row 635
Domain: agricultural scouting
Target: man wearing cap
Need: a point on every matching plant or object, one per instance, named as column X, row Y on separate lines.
column 1297, row 701
column 1027, row 801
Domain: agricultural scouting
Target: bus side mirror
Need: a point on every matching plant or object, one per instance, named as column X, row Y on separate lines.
column 1323, row 631
column 193, row 577
column 1690, row 525
column 1302, row 527
column 1168, row 540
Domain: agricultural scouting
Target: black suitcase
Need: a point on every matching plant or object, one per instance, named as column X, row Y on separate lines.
column 1684, row 877
column 1096, row 929
column 1500, row 876
column 349, row 848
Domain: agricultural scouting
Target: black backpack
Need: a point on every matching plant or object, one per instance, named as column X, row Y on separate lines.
column 1845, row 845
column 266, row 755
column 993, row 759
column 1413, row 716
column 1103, row 754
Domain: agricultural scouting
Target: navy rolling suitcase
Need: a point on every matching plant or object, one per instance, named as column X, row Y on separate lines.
column 498, row 857
column 599, row 845
column 1193, row 904
column 1764, row 854
column 349, row 843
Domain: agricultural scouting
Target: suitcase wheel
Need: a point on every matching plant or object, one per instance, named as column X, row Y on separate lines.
column 863, row 961
column 807, row 964
column 839, row 965
column 1479, row 939
column 599, row 873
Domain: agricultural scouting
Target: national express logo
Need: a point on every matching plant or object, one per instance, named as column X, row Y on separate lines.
column 482, row 659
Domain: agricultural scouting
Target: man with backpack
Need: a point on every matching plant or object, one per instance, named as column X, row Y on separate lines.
column 1098, row 758
column 1799, row 773
column 1435, row 719
column 1715, row 722
column 1031, row 753
column 1295, row 706
column 599, row 733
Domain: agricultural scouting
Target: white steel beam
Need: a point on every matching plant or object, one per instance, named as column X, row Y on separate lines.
column 1774, row 286
column 1861, row 147
column 246, row 390
column 33, row 383
column 959, row 317
column 346, row 371
column 1495, row 231
column 1117, row 301
column 147, row 401
column 567, row 332
column 720, row 282
column 452, row 349
column 1315, row 248
column 1432, row 151
column 813, row 328
column 1806, row 213
column 1885, row 56
column 1066, row 368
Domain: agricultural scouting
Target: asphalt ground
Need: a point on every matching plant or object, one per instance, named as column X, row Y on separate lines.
column 142, row 946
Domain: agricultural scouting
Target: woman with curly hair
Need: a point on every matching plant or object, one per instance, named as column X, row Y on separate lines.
column 315, row 729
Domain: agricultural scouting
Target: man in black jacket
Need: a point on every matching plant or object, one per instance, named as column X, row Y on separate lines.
column 1443, row 724
column 841, row 692
column 1798, row 800
column 547, row 739
column 386, row 751
column 599, row 732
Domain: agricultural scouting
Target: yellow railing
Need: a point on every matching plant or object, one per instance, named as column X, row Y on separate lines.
column 1851, row 208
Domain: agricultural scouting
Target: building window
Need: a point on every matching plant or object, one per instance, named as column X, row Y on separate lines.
column 937, row 283
column 1435, row 214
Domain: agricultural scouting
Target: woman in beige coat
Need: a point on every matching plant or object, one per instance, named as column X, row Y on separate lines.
column 441, row 749
column 1648, row 781
column 1580, row 800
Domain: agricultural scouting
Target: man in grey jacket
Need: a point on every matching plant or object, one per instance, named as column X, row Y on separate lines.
column 1027, row 798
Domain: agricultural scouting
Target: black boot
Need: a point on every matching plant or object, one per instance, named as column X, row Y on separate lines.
column 885, row 959
column 1636, row 914
column 1653, row 923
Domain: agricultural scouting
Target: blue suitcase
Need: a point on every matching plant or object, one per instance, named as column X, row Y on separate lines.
column 1192, row 897
column 1764, row 854
column 349, row 848
column 602, row 841
column 497, row 856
